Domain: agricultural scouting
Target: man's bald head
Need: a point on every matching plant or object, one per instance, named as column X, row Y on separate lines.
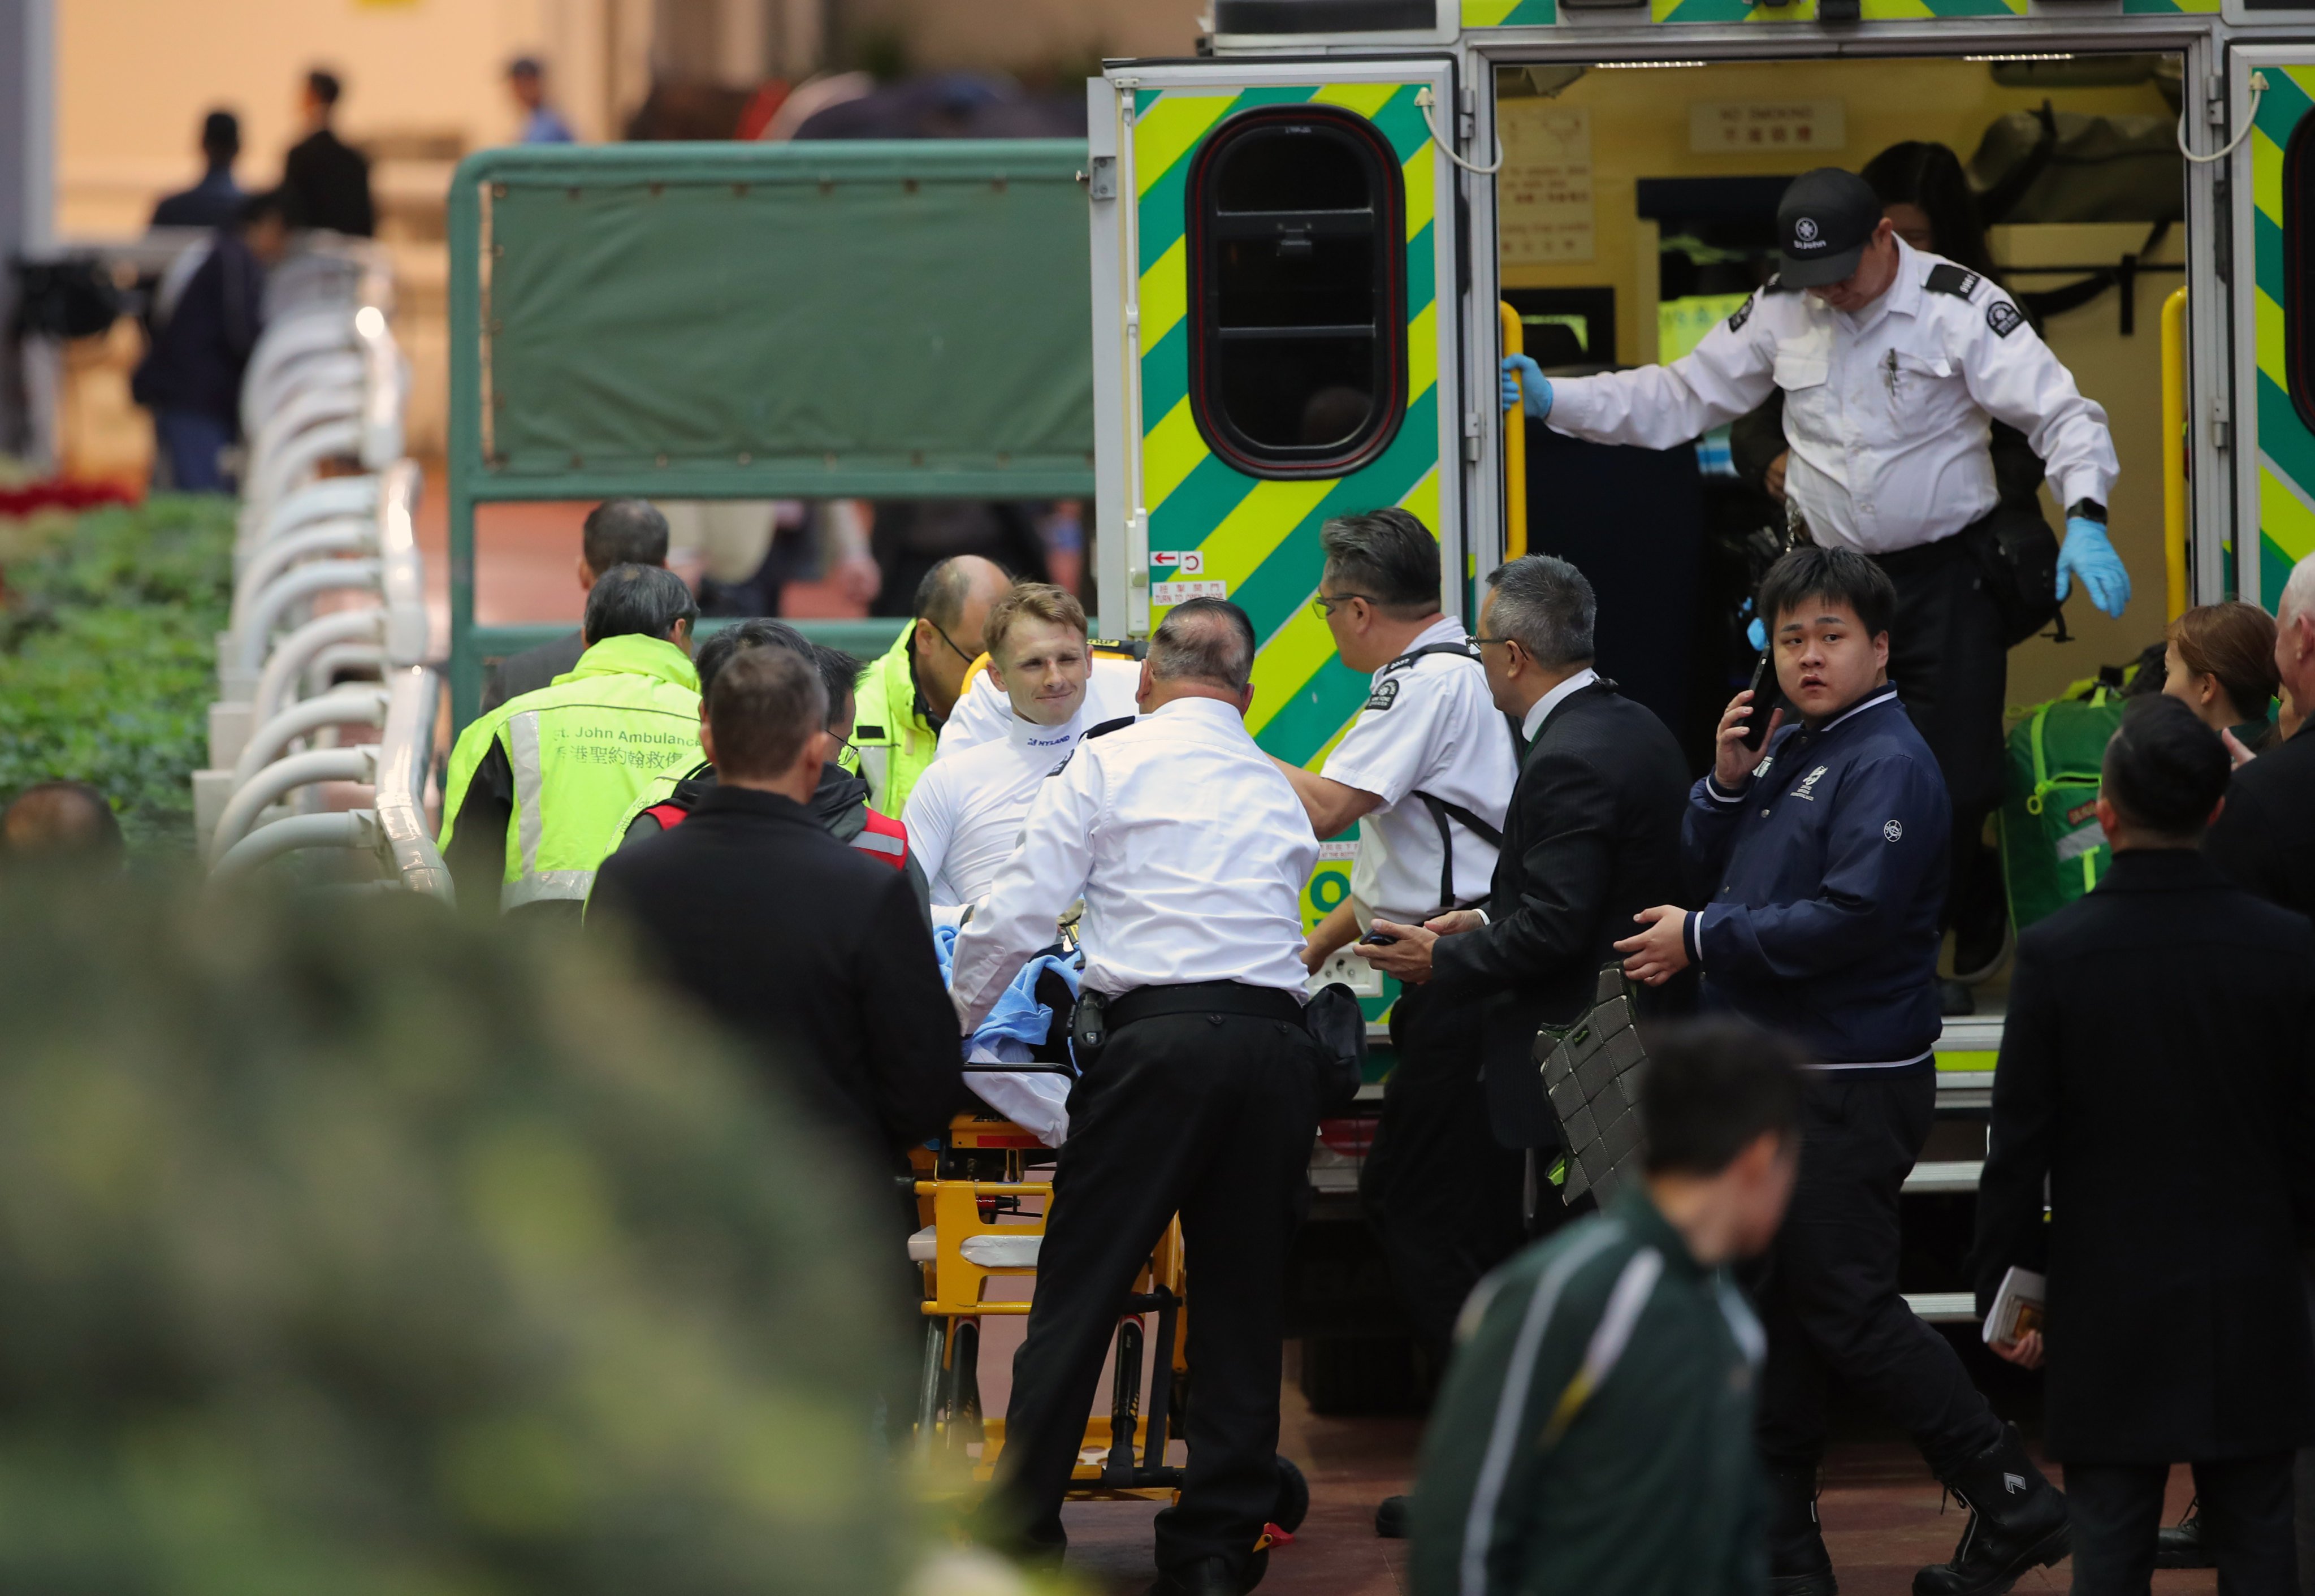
column 952, row 608
column 60, row 820
column 1205, row 649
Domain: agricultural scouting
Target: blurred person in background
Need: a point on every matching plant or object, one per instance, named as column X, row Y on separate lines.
column 2175, row 1327
column 2219, row 662
column 810, row 951
column 216, row 199
column 1595, row 1432
column 617, row 532
column 541, row 122
column 325, row 179
column 61, row 820
column 535, row 787
column 2265, row 838
column 907, row 694
column 191, row 377
column 910, row 538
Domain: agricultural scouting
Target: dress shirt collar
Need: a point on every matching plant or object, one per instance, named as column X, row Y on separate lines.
column 1902, row 298
column 1211, row 713
column 1540, row 710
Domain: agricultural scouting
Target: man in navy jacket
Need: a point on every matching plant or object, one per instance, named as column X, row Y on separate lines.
column 1822, row 868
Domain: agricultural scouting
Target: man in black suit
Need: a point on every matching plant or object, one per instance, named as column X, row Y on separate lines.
column 2265, row 838
column 2175, row 1328
column 1591, row 838
column 808, row 948
column 618, row 532
column 325, row 179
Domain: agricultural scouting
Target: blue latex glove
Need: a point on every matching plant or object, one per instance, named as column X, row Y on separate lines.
column 1756, row 634
column 2088, row 554
column 1531, row 386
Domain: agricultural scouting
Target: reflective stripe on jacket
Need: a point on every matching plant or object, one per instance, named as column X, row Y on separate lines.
column 579, row 751
column 896, row 743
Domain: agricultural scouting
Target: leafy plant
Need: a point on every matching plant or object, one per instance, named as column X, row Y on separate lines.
column 108, row 659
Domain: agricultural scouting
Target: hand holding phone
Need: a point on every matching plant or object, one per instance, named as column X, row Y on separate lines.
column 1764, row 681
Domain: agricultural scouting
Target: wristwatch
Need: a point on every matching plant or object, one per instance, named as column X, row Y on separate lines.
column 2089, row 510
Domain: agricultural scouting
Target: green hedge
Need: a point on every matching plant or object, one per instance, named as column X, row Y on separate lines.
column 108, row 659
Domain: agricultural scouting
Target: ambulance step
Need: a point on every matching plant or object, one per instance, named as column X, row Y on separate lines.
column 1944, row 1307
column 1939, row 1179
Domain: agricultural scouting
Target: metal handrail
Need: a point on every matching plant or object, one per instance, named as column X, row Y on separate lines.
column 340, row 535
column 284, row 776
column 275, row 478
column 348, row 828
column 286, row 664
column 351, row 704
column 406, row 749
column 321, row 501
column 323, row 576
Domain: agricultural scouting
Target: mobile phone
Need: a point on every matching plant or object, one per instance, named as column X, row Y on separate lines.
column 1377, row 939
column 1756, row 729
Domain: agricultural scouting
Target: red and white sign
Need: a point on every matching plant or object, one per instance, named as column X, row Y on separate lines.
column 1178, row 561
column 1162, row 594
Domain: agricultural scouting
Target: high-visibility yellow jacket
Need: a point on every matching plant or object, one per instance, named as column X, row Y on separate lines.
column 895, row 737
column 579, row 752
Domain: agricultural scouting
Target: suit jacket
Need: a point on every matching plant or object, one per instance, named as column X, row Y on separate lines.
column 531, row 669
column 1591, row 838
column 2263, row 840
column 2157, row 1066
column 810, row 951
column 327, row 181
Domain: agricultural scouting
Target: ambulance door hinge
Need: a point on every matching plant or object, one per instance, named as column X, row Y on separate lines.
column 1467, row 117
column 1471, row 436
column 2221, row 427
column 2215, row 99
column 1100, row 177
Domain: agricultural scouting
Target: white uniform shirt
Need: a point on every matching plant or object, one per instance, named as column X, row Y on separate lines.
column 1885, row 410
column 965, row 814
column 984, row 712
column 1429, row 726
column 1185, row 842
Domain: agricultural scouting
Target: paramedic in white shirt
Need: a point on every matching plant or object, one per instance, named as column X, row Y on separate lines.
column 1891, row 360
column 1191, row 851
column 965, row 813
column 1426, row 772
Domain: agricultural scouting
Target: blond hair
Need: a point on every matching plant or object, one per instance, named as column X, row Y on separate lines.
column 1036, row 601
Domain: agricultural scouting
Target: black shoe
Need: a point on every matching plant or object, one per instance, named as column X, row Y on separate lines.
column 2180, row 1545
column 1798, row 1563
column 1208, row 1576
column 2017, row 1522
column 1390, row 1517
column 1954, row 998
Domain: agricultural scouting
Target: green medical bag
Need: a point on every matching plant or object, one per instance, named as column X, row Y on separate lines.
column 2053, row 849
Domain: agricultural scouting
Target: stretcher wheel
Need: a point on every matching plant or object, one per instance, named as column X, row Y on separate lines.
column 1293, row 1497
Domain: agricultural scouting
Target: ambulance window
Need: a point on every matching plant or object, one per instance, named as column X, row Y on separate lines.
column 2298, row 261
column 1298, row 326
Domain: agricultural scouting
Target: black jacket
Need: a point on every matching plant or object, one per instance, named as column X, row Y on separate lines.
column 531, row 669
column 2157, row 1066
column 2265, row 838
column 1591, row 838
column 810, row 951
column 199, row 355
column 326, row 183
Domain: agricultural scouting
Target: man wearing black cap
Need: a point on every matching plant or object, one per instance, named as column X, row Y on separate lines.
column 1891, row 359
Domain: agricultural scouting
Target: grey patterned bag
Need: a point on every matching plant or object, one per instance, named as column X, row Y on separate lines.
column 1591, row 1072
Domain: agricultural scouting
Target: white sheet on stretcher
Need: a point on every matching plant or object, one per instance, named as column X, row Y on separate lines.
column 1037, row 1100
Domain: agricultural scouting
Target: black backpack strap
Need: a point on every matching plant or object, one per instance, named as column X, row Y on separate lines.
column 1442, row 811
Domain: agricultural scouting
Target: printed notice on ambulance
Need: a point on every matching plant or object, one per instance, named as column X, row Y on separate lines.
column 1544, row 196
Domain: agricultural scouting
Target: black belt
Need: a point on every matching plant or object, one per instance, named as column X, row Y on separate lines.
column 1216, row 998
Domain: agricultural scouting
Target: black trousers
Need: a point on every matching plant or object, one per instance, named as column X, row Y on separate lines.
column 1209, row 1115
column 2116, row 1509
column 1952, row 671
column 1828, row 1289
column 1443, row 1195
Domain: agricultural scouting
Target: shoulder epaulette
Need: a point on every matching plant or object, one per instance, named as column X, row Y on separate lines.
column 1106, row 727
column 1945, row 278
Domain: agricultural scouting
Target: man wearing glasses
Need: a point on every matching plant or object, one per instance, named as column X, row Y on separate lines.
column 1424, row 772
column 904, row 696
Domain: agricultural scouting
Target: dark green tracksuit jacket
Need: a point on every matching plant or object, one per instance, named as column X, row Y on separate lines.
column 1594, row 1436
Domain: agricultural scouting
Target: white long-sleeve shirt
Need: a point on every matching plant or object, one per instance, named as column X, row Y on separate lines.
column 964, row 814
column 1185, row 842
column 1885, row 411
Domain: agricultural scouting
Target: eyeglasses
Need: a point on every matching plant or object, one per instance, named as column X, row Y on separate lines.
column 1484, row 641
column 1323, row 604
column 946, row 638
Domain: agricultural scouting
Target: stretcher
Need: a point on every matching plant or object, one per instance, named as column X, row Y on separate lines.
column 983, row 1218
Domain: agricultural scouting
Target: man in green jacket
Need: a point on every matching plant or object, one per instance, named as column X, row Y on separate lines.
column 1595, row 1431
column 905, row 694
column 536, row 786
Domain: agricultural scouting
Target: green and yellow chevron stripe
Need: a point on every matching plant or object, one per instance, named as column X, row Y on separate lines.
column 1262, row 537
column 2286, row 449
column 1805, row 11
column 1509, row 14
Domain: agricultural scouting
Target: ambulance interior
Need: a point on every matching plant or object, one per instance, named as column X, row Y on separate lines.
column 1636, row 208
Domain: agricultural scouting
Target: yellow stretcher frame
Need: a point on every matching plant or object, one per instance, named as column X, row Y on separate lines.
column 1515, row 443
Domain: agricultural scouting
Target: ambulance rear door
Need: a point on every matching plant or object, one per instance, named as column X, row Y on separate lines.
column 1277, row 334
column 2274, row 281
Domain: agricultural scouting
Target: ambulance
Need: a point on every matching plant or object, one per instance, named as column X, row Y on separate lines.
column 1313, row 243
